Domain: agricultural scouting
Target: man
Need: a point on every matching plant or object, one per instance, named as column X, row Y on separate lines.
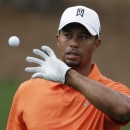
column 71, row 93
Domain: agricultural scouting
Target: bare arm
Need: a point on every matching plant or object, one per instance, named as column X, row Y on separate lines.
column 112, row 103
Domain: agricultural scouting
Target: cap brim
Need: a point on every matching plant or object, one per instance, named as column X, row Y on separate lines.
column 88, row 27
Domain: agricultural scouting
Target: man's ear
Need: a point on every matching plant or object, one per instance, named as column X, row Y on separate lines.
column 57, row 39
column 96, row 45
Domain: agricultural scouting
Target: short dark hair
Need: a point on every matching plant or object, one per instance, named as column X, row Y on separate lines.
column 96, row 37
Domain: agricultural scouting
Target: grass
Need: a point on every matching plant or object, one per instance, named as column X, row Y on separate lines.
column 7, row 91
column 127, row 127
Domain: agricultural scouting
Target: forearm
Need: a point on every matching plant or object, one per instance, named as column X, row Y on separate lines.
column 108, row 101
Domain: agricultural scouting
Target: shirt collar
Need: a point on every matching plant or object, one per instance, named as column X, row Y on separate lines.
column 94, row 74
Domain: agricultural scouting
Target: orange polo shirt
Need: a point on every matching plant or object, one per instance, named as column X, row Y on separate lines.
column 43, row 105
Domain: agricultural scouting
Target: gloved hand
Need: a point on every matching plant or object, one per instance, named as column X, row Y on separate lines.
column 51, row 68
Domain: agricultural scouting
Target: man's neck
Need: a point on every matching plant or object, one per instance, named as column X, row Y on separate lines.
column 85, row 71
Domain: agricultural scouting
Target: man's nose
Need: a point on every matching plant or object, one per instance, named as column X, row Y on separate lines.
column 74, row 43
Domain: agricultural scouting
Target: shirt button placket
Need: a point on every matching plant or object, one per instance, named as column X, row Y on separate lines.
column 66, row 97
column 67, row 92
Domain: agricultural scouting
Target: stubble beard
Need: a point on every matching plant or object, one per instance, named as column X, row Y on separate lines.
column 72, row 63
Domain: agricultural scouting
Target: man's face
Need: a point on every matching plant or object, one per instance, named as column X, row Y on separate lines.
column 76, row 45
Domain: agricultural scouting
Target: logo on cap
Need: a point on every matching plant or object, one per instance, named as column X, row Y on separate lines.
column 80, row 12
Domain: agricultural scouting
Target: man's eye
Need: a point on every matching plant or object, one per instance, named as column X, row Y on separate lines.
column 84, row 37
column 68, row 35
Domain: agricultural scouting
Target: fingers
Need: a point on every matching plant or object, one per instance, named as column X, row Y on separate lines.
column 34, row 60
column 33, row 69
column 40, row 53
column 48, row 50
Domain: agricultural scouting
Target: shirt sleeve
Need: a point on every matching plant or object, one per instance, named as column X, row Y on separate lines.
column 119, row 87
column 15, row 121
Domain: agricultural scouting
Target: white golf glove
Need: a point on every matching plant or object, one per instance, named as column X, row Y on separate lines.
column 51, row 68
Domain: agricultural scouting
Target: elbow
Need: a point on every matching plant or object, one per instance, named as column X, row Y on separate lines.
column 123, row 113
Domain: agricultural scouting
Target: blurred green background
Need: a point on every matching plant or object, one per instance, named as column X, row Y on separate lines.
column 35, row 22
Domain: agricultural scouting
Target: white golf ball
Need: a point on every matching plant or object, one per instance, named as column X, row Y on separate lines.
column 14, row 41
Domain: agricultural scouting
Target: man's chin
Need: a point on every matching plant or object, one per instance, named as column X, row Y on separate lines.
column 73, row 65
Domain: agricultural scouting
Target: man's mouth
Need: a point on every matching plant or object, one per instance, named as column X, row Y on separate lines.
column 72, row 55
